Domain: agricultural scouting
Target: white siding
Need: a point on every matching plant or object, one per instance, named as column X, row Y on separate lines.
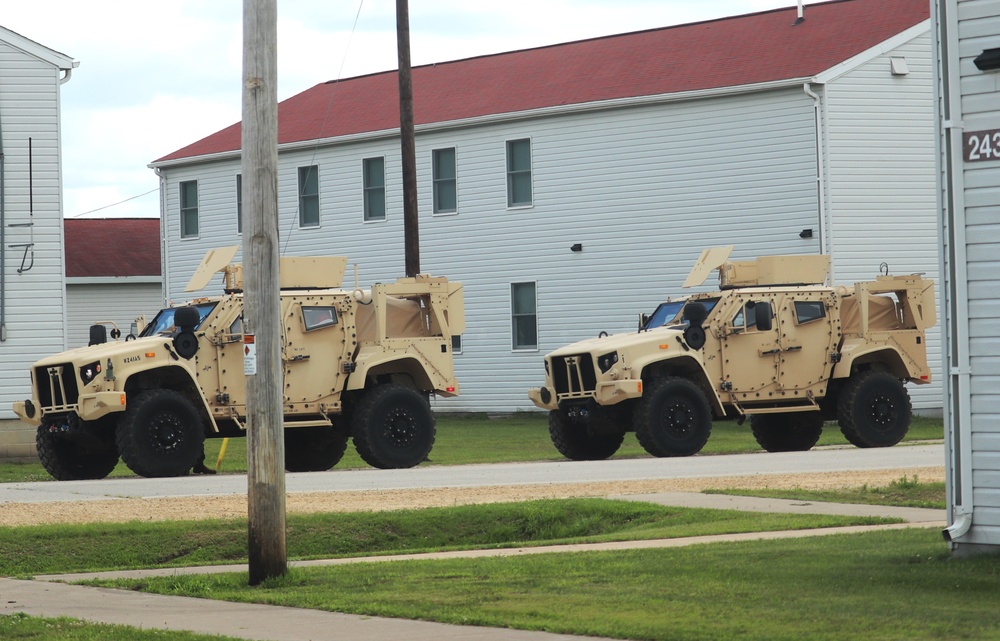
column 643, row 189
column 881, row 179
column 979, row 28
column 120, row 302
column 34, row 315
column 972, row 210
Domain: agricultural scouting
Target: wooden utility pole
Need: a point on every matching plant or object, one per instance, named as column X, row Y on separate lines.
column 262, row 294
column 411, row 233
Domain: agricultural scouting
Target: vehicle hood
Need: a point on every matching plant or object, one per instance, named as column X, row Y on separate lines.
column 114, row 349
column 620, row 342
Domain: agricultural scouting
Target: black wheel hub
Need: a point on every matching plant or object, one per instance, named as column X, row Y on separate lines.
column 167, row 433
column 678, row 419
column 883, row 412
column 400, row 428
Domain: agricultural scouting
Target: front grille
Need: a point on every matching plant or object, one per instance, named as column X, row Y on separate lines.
column 57, row 389
column 574, row 375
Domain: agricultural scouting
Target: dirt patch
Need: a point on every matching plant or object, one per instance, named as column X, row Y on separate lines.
column 231, row 507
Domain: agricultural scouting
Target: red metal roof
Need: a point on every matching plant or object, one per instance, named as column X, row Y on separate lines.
column 104, row 247
column 742, row 50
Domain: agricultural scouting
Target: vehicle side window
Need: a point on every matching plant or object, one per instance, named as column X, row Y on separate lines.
column 807, row 311
column 314, row 318
column 746, row 318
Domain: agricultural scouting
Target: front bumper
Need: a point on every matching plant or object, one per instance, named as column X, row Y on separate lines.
column 89, row 407
column 606, row 393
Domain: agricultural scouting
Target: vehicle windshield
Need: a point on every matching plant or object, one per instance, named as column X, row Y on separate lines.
column 669, row 313
column 163, row 324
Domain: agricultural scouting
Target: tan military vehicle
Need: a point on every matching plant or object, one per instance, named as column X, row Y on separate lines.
column 775, row 343
column 357, row 363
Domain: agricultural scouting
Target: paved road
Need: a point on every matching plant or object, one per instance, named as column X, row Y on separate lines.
column 820, row 460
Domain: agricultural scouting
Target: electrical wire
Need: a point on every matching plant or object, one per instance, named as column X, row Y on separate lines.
column 115, row 204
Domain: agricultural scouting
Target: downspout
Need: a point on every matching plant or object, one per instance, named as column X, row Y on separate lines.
column 3, row 244
column 164, row 246
column 954, row 266
column 824, row 246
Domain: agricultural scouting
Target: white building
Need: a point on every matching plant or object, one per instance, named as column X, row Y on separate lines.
column 32, row 316
column 968, row 58
column 116, row 286
column 572, row 187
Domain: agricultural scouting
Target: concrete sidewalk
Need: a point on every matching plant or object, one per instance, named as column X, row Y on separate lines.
column 47, row 597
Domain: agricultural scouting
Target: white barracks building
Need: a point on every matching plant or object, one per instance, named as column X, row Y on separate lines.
column 572, row 187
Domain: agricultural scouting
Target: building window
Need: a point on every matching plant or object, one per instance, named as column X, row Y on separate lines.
column 309, row 196
column 445, row 184
column 239, row 203
column 374, row 180
column 519, row 173
column 189, row 209
column 524, row 320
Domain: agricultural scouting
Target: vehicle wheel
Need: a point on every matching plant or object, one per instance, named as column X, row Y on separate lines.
column 85, row 451
column 787, row 432
column 576, row 442
column 160, row 434
column 393, row 427
column 673, row 418
column 313, row 449
column 874, row 410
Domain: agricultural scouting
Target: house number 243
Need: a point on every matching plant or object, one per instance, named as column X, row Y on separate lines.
column 981, row 145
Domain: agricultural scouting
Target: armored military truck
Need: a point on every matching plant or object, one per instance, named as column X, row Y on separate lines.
column 775, row 343
column 356, row 363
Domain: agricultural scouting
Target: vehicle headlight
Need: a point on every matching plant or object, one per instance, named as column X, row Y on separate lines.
column 607, row 361
column 90, row 371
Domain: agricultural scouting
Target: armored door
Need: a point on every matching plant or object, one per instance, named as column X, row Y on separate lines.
column 316, row 343
column 750, row 347
column 809, row 332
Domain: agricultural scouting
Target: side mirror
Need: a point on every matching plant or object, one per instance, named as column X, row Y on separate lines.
column 185, row 342
column 695, row 314
column 765, row 316
column 98, row 335
column 643, row 319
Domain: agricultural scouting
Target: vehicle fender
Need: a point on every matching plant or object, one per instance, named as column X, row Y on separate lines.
column 378, row 362
column 683, row 366
column 853, row 355
column 176, row 377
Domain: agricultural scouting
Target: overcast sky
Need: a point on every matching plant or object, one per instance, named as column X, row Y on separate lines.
column 157, row 76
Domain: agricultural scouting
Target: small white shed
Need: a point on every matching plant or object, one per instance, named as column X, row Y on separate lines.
column 968, row 62
column 112, row 273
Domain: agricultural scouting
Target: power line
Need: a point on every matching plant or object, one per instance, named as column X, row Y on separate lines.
column 115, row 204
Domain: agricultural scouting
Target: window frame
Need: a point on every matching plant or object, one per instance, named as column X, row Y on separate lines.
column 305, row 198
column 185, row 209
column 798, row 318
column 456, row 344
column 239, row 203
column 367, row 191
column 516, row 315
column 309, row 324
column 515, row 173
column 437, row 182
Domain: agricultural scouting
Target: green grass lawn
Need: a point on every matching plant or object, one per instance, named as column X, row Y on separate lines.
column 899, row 585
column 904, row 492
column 463, row 440
column 54, row 549
column 19, row 626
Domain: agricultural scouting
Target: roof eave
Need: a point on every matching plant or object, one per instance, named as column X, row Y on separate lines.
column 541, row 112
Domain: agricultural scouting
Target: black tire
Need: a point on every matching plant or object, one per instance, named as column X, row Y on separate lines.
column 393, row 427
column 673, row 418
column 577, row 443
column 160, row 434
column 84, row 452
column 874, row 409
column 313, row 449
column 787, row 432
